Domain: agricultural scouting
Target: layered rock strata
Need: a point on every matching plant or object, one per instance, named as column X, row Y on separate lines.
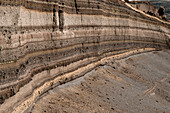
column 52, row 38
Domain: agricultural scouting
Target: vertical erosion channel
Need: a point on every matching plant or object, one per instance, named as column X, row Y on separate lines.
column 54, row 19
column 61, row 20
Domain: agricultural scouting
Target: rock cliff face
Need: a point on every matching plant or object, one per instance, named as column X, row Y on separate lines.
column 42, row 40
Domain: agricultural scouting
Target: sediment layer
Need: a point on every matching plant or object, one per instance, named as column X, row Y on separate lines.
column 37, row 36
column 132, row 85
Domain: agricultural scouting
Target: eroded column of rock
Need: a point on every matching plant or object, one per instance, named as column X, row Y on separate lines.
column 41, row 35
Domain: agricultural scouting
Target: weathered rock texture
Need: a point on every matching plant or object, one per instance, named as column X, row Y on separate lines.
column 41, row 40
column 150, row 9
column 130, row 85
column 165, row 4
column 145, row 7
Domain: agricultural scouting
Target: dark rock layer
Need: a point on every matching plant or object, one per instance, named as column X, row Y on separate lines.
column 37, row 36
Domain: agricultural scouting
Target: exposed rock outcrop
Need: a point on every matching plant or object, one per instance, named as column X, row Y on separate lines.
column 41, row 40
column 149, row 9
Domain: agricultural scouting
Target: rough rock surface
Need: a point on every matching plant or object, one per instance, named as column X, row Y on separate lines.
column 44, row 44
column 128, row 85
column 164, row 3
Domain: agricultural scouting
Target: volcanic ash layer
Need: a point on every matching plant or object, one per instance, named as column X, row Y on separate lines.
column 40, row 41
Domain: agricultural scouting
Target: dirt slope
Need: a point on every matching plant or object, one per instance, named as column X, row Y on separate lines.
column 137, row 84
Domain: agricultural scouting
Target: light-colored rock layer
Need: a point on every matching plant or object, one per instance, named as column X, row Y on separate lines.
column 37, row 36
column 128, row 85
column 42, row 82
